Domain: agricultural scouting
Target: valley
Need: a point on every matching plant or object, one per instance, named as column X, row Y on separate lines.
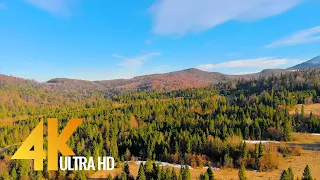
column 201, row 126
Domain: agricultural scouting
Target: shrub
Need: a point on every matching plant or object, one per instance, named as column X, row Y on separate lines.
column 290, row 150
column 297, row 151
column 273, row 133
column 195, row 160
column 268, row 161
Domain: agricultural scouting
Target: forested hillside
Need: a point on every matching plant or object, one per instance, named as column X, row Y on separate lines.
column 195, row 126
column 189, row 78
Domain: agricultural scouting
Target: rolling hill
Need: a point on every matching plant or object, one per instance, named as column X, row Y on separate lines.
column 168, row 81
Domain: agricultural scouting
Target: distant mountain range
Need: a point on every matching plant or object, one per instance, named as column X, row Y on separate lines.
column 167, row 82
column 312, row 63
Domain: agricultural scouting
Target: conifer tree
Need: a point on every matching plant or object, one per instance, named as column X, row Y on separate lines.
column 109, row 177
column 185, row 174
column 14, row 174
column 141, row 173
column 242, row 173
column 126, row 170
column 302, row 111
column 291, row 174
column 210, row 173
column 244, row 150
column 260, row 150
column 204, row 176
column 284, row 175
column 167, row 174
column 148, row 166
column 174, row 175
column 123, row 176
column 307, row 173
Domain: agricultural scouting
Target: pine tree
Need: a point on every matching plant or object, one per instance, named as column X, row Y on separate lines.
column 284, row 175
column 114, row 147
column 168, row 174
column 174, row 175
column 302, row 111
column 14, row 174
column 307, row 174
column 163, row 173
column 148, row 166
column 123, row 176
column 156, row 171
column 244, row 150
column 287, row 130
column 242, row 173
column 81, row 175
column 246, row 133
column 186, row 173
column 5, row 175
column 204, row 176
column 210, row 174
column 126, row 169
column 38, row 175
column 291, row 174
column 109, row 177
column 260, row 150
column 160, row 174
column 141, row 173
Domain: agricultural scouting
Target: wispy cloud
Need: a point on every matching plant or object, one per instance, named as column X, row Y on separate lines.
column 247, row 72
column 182, row 16
column 56, row 7
column 259, row 63
column 135, row 61
column 300, row 37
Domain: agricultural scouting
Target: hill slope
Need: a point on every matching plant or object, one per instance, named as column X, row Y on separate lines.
column 168, row 81
column 189, row 78
column 312, row 63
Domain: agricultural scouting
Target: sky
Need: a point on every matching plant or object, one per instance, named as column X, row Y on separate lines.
column 111, row 39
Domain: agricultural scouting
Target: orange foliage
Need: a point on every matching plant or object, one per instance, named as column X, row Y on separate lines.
column 268, row 161
column 133, row 122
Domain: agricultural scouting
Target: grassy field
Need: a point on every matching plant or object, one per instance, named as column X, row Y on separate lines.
column 298, row 163
column 314, row 108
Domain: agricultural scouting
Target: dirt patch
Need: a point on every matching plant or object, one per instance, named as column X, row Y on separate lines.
column 305, row 138
column 314, row 108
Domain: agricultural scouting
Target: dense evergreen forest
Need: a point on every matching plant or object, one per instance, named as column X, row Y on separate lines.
column 198, row 126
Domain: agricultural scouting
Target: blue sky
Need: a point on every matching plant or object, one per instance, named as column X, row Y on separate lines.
column 98, row 39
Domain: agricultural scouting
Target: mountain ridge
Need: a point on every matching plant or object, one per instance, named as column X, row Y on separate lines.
column 312, row 63
column 188, row 78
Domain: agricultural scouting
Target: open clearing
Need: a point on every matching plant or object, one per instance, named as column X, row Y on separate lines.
column 298, row 163
column 314, row 108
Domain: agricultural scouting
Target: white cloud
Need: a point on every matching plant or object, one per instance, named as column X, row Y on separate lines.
column 259, row 63
column 183, row 16
column 300, row 37
column 56, row 7
column 135, row 61
column 243, row 73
